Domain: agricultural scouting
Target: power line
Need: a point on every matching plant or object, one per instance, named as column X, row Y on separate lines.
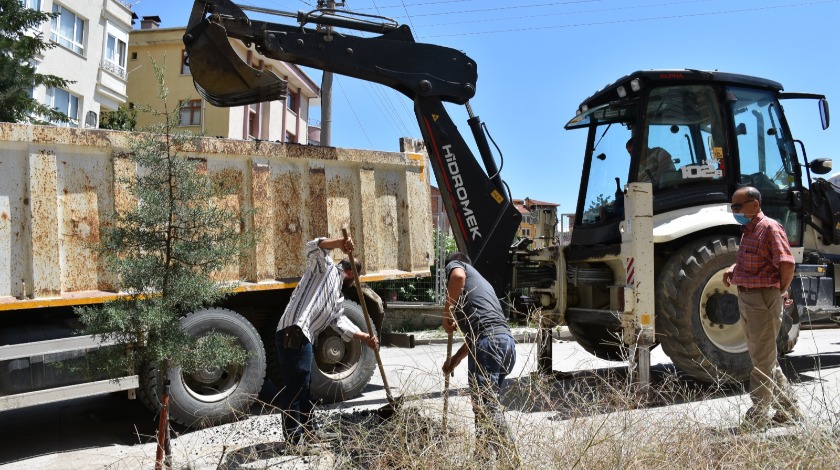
column 416, row 4
column 353, row 110
column 515, row 7
column 478, row 10
column 383, row 100
column 636, row 20
column 577, row 12
column 410, row 22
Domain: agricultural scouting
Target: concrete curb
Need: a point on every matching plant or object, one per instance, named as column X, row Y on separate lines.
column 519, row 335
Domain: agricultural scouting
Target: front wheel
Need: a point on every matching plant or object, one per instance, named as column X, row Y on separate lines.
column 697, row 318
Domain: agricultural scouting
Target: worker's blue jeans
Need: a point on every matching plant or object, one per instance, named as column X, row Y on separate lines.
column 491, row 360
column 296, row 372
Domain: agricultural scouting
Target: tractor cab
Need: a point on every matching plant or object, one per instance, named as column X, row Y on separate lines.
column 695, row 136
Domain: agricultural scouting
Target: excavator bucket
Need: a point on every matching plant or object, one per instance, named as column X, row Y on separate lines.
column 221, row 76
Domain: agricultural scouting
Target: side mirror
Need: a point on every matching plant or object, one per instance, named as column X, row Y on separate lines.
column 824, row 116
column 820, row 166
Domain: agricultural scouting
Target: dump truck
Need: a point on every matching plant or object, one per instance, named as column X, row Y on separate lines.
column 649, row 244
column 59, row 189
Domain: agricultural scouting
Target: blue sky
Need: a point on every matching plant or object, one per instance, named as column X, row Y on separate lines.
column 538, row 59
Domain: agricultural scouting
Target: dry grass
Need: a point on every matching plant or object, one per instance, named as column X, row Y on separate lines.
column 591, row 419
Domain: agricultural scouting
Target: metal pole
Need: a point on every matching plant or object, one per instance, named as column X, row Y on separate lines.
column 545, row 352
column 163, row 428
column 326, row 94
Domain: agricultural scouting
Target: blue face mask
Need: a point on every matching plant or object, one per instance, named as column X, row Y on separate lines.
column 742, row 219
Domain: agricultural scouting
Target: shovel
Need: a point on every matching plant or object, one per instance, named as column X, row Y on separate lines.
column 390, row 409
column 446, row 380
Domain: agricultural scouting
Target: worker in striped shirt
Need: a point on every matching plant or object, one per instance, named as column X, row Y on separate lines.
column 762, row 272
column 315, row 305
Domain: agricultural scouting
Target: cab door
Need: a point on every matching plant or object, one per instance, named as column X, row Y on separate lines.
column 766, row 156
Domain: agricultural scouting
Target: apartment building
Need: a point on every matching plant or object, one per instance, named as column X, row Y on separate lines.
column 539, row 221
column 284, row 121
column 91, row 38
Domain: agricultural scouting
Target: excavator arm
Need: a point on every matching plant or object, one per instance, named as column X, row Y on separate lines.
column 477, row 201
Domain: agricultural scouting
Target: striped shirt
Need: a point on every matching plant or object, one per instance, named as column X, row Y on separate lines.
column 316, row 301
column 764, row 245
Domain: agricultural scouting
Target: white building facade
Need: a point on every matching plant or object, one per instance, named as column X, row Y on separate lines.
column 91, row 42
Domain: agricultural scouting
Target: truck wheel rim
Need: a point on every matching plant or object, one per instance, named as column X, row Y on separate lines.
column 211, row 385
column 729, row 338
column 335, row 358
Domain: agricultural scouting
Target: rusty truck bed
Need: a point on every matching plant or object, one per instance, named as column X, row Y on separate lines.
column 57, row 192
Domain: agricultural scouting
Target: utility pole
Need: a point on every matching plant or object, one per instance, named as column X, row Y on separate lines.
column 326, row 89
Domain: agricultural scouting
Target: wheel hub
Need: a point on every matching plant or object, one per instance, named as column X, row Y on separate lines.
column 332, row 350
column 208, row 375
column 719, row 316
column 722, row 308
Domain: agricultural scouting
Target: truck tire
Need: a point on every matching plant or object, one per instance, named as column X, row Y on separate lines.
column 708, row 345
column 342, row 369
column 211, row 396
column 598, row 340
column 789, row 332
column 697, row 316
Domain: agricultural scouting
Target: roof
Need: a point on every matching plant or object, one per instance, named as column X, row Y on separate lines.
column 534, row 202
column 661, row 76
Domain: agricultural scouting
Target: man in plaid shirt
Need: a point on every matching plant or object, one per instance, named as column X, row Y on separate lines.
column 762, row 273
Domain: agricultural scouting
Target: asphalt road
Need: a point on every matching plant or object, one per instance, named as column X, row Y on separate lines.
column 113, row 432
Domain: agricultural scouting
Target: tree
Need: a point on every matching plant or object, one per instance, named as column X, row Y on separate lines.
column 120, row 120
column 165, row 252
column 20, row 43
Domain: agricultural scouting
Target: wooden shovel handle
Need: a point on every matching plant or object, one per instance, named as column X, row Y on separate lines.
column 361, row 295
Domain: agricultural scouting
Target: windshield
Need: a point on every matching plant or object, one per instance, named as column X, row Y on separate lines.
column 607, row 174
column 680, row 143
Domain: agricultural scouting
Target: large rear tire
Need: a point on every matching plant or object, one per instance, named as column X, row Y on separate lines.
column 342, row 369
column 211, row 396
column 697, row 316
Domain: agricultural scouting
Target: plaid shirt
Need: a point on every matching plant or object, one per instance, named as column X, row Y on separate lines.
column 764, row 246
column 316, row 301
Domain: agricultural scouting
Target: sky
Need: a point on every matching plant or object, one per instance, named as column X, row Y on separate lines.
column 539, row 59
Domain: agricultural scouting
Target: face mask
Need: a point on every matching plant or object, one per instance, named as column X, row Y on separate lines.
column 742, row 219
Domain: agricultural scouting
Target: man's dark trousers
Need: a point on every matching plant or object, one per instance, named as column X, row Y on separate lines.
column 295, row 356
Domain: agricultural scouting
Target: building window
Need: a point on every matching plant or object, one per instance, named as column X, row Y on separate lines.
column 34, row 64
column 292, row 101
column 65, row 102
column 114, row 56
column 133, row 56
column 32, row 4
column 526, row 232
column 191, row 113
column 254, row 120
column 185, row 63
column 68, row 30
column 290, row 138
